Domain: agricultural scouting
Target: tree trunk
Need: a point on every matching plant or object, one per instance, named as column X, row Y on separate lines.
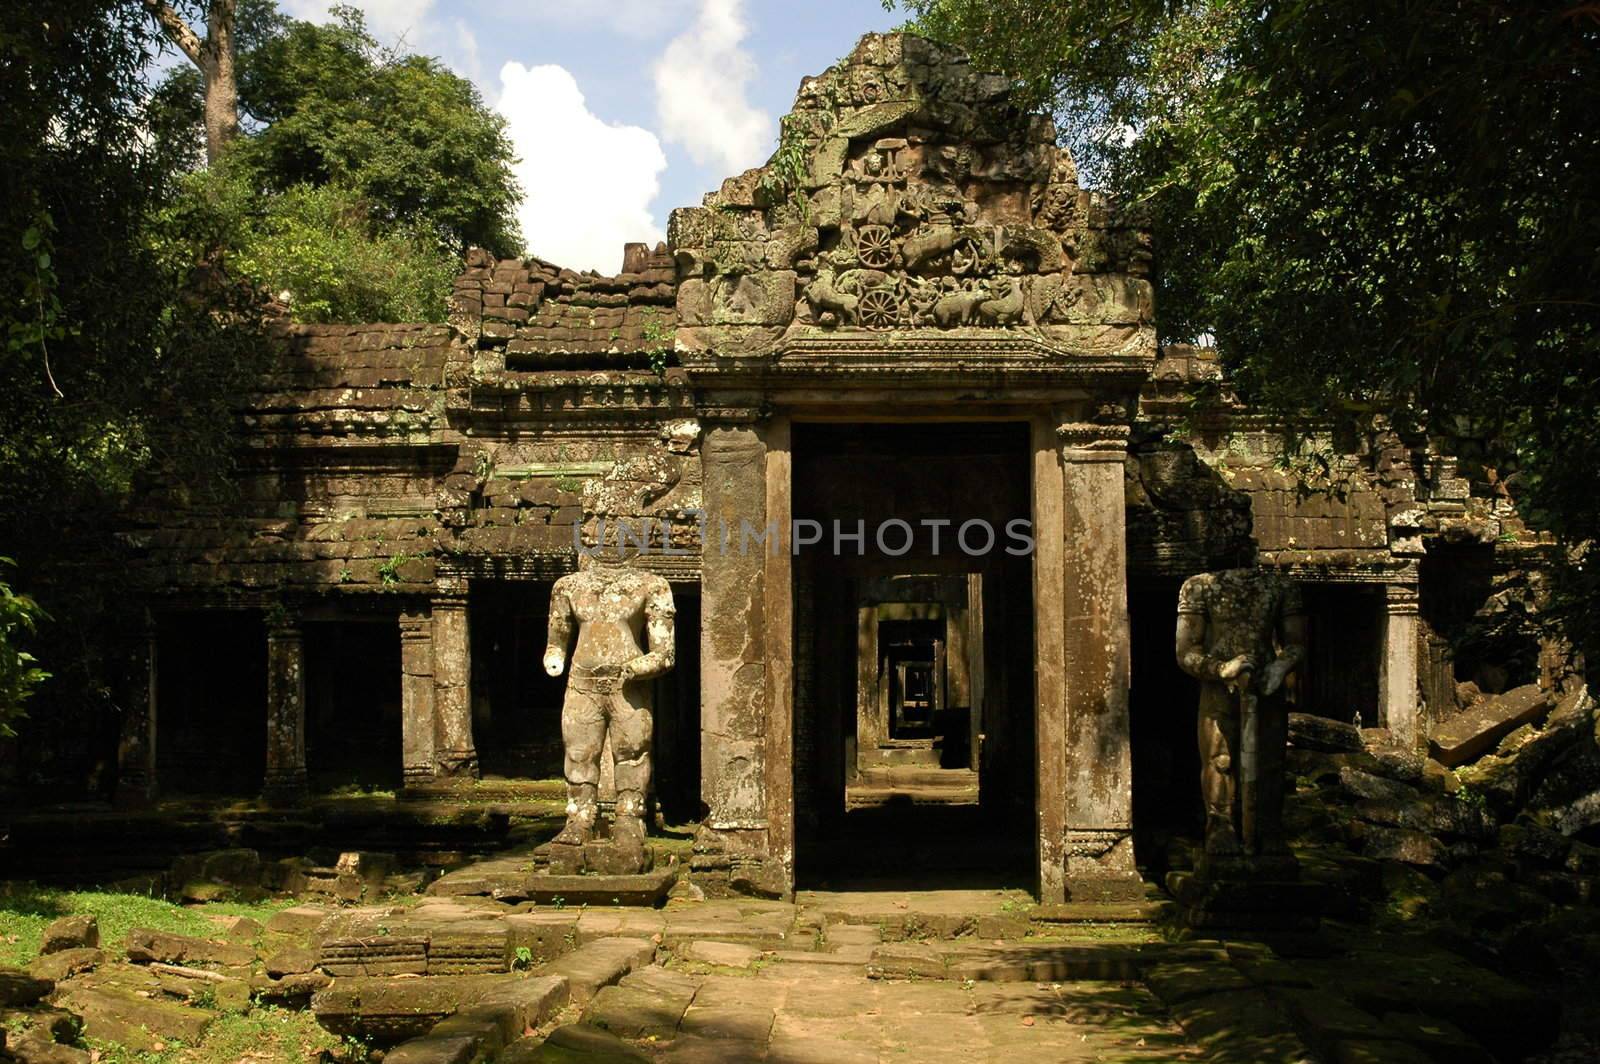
column 214, row 58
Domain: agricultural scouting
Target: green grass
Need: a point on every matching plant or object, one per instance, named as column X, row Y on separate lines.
column 27, row 908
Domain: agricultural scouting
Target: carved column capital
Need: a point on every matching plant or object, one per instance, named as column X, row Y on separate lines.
column 1401, row 599
column 1088, row 441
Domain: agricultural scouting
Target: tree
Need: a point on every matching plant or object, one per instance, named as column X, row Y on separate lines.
column 214, row 57
column 1374, row 207
column 360, row 178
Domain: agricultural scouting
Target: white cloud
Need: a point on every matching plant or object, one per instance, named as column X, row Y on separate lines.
column 387, row 19
column 701, row 81
column 586, row 185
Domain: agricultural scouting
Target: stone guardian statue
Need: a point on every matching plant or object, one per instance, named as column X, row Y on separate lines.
column 624, row 619
column 1241, row 632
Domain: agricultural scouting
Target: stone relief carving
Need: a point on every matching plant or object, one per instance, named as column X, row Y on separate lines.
column 907, row 194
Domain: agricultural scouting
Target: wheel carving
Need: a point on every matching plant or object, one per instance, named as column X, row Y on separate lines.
column 879, row 308
column 875, row 246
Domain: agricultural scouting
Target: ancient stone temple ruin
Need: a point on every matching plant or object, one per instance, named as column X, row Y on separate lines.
column 890, row 418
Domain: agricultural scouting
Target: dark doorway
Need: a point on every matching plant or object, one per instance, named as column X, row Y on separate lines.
column 211, row 689
column 353, row 704
column 913, row 659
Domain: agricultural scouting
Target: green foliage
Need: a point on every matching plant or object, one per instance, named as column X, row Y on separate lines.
column 314, row 249
column 19, row 670
column 1374, row 207
column 411, row 141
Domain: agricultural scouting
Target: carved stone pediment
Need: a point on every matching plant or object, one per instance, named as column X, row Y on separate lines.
column 910, row 203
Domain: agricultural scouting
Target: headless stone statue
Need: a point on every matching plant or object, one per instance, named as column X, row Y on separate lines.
column 624, row 619
column 1241, row 632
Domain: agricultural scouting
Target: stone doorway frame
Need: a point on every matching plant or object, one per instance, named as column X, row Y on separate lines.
column 1083, row 779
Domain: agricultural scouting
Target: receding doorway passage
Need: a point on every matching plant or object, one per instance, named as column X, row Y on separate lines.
column 913, row 668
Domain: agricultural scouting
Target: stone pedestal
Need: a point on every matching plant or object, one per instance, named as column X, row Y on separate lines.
column 286, row 712
column 456, row 756
column 417, row 717
column 1397, row 677
column 136, row 749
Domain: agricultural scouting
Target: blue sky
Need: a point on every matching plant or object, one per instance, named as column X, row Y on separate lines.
column 624, row 109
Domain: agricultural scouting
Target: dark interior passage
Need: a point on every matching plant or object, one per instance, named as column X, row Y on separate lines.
column 353, row 704
column 913, row 661
column 211, row 683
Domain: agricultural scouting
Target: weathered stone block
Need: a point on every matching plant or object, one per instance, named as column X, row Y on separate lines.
column 65, row 963
column 1309, row 732
column 600, row 963
column 146, row 946
column 18, row 988
column 116, row 1015
column 1476, row 730
column 70, row 932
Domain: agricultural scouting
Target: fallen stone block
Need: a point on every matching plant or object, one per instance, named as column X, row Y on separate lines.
column 378, row 956
column 1373, row 787
column 649, row 1003
column 197, row 985
column 391, row 1010
column 469, row 948
column 291, row 961
column 19, row 989
column 725, row 954
column 435, row 1049
column 238, row 928
column 546, row 935
column 600, row 963
column 578, row 1043
column 145, row 946
column 293, row 990
column 115, row 1015
column 907, row 960
column 1178, row 982
column 70, row 932
column 1310, row 732
column 1475, row 731
column 66, row 963
column 297, row 920
column 1403, row 845
column 36, row 1046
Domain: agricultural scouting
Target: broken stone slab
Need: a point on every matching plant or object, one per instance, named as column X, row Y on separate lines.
column 1475, row 731
column 66, row 963
column 578, row 1043
column 1310, row 732
column 294, row 990
column 501, row 1015
column 1178, row 982
column 546, row 934
column 391, row 1010
column 19, row 989
column 70, row 932
column 197, row 984
column 36, row 1046
column 908, row 960
column 113, row 1014
column 749, row 1024
column 435, row 1049
column 640, row 1010
column 238, row 928
column 298, row 919
column 724, row 954
column 600, row 963
column 1439, row 1039
column 145, row 946
column 291, row 961
column 1373, row 787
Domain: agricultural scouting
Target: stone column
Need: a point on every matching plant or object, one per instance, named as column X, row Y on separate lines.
column 869, row 711
column 286, row 710
column 1397, row 674
column 417, row 717
column 1098, row 842
column 733, row 638
column 456, row 756
column 136, row 751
